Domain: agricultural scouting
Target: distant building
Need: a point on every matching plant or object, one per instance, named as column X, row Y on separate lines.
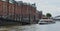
column 44, row 17
column 39, row 14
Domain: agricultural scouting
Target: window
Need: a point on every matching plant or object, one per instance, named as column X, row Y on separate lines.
column 4, row 8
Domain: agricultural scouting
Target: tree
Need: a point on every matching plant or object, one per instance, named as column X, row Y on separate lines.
column 48, row 15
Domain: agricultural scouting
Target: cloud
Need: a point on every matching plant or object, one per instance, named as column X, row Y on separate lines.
column 47, row 6
column 54, row 10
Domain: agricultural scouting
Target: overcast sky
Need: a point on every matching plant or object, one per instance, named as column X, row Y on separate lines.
column 46, row 6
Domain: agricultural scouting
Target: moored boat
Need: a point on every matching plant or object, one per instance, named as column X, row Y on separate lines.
column 46, row 21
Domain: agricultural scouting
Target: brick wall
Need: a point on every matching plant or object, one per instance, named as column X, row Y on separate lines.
column 11, row 9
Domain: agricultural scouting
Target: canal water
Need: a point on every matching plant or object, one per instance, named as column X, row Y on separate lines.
column 34, row 27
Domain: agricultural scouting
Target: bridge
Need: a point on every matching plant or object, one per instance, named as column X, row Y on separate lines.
column 56, row 18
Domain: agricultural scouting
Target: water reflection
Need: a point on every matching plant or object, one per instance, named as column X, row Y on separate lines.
column 36, row 27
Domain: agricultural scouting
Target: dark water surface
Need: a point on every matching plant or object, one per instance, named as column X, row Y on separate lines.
column 35, row 27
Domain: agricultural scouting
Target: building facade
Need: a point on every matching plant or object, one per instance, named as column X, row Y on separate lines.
column 18, row 10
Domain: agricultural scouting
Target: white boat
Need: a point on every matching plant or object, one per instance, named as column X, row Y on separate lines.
column 46, row 21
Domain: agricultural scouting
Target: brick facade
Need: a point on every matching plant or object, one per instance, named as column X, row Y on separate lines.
column 13, row 9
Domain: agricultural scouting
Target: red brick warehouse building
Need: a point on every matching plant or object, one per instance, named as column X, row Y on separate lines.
column 18, row 10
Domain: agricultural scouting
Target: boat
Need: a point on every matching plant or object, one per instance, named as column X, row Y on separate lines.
column 46, row 21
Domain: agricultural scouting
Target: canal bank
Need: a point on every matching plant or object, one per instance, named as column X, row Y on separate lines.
column 34, row 27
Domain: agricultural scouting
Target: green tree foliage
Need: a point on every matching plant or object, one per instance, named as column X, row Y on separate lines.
column 48, row 15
